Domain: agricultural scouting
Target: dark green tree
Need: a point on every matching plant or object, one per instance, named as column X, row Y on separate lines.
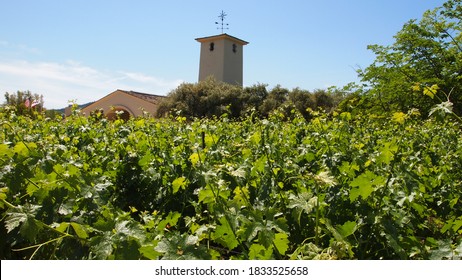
column 324, row 100
column 254, row 96
column 303, row 101
column 275, row 98
column 213, row 98
column 204, row 99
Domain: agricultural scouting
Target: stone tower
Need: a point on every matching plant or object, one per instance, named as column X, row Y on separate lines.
column 222, row 57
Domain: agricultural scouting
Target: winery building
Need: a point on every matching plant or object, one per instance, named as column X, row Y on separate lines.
column 221, row 56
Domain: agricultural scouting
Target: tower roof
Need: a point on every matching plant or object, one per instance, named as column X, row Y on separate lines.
column 222, row 36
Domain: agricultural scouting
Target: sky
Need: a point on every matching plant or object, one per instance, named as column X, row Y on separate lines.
column 82, row 50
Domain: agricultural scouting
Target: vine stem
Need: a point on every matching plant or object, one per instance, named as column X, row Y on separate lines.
column 8, row 204
column 316, row 228
column 64, row 234
column 38, row 246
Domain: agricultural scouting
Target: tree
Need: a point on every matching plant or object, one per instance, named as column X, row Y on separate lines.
column 24, row 102
column 213, row 98
column 204, row 99
column 425, row 53
column 275, row 98
column 254, row 96
column 302, row 100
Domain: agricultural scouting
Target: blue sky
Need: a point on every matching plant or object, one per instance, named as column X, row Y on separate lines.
column 83, row 50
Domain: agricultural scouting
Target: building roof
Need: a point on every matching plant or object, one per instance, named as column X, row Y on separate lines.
column 152, row 98
column 222, row 36
column 135, row 103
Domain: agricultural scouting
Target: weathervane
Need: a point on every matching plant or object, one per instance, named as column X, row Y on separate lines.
column 223, row 25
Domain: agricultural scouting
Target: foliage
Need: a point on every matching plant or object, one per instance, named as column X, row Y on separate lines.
column 212, row 98
column 24, row 102
column 332, row 187
column 425, row 53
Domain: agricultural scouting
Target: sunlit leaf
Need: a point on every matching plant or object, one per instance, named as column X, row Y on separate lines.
column 5, row 151
column 23, row 148
column 79, row 230
column 442, row 108
column 259, row 252
column 445, row 251
column 206, row 195
column 387, row 152
column 224, row 234
column 302, row 202
column 347, row 229
column 399, row 117
column 149, row 252
column 363, row 185
column 281, row 242
column 325, row 178
column 178, row 183
column 170, row 221
column 16, row 216
column 194, row 158
column 102, row 246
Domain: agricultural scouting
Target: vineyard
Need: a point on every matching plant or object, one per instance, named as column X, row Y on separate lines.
column 334, row 187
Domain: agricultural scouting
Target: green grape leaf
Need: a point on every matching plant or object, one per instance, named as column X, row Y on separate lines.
column 194, row 158
column 206, row 195
column 101, row 246
column 14, row 219
column 266, row 237
column 387, row 152
column 5, row 151
column 281, row 242
column 363, row 185
column 181, row 247
column 66, row 207
column 178, row 183
column 19, row 215
column 149, row 252
column 302, row 202
column 445, row 251
column 349, row 169
column 24, row 149
column 347, row 229
column 80, row 230
column 145, row 160
column 170, row 221
column 224, row 234
column 259, row 252
column 62, row 227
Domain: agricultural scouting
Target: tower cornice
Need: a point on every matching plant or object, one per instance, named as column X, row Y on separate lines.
column 221, row 37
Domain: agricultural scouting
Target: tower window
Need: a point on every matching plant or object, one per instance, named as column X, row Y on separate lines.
column 212, row 46
column 234, row 48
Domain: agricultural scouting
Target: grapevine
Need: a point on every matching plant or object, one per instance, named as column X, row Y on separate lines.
column 333, row 187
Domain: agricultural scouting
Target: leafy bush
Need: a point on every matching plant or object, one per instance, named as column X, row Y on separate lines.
column 211, row 98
